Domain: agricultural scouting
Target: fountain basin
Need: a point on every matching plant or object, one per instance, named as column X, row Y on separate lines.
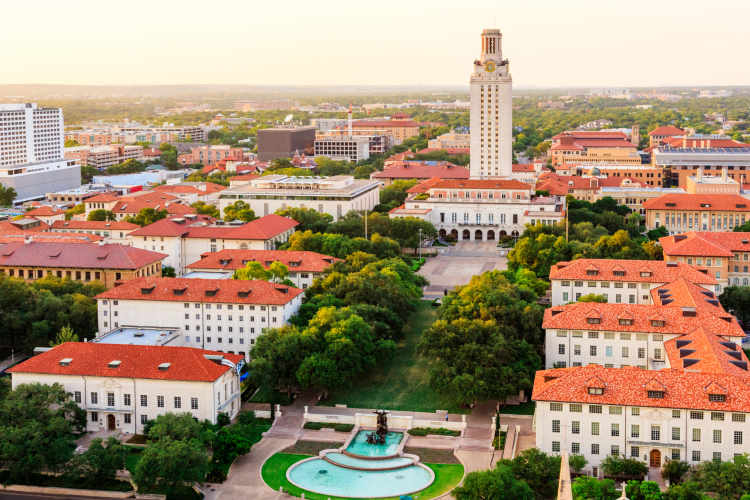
column 351, row 462
column 359, row 446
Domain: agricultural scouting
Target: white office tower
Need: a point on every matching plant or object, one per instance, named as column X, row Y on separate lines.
column 32, row 150
column 491, row 95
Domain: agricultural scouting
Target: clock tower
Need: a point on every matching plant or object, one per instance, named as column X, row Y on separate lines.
column 491, row 96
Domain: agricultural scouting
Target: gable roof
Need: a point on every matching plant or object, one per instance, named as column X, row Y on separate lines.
column 136, row 361
column 480, row 184
column 133, row 207
column 660, row 271
column 44, row 210
column 668, row 130
column 415, row 170
column 90, row 224
column 296, row 261
column 706, row 244
column 697, row 202
column 94, row 256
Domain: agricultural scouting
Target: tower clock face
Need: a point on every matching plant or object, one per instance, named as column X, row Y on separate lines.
column 489, row 67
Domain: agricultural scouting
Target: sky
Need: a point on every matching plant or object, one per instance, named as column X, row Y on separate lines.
column 550, row 43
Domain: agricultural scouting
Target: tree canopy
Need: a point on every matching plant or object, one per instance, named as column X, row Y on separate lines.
column 276, row 273
column 101, row 215
column 309, row 219
column 239, row 210
column 340, row 246
column 148, row 216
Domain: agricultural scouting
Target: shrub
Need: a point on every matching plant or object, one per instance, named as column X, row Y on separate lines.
column 313, row 426
column 449, row 238
column 577, row 462
column 674, row 470
column 216, row 476
column 439, row 431
column 344, row 428
column 621, row 466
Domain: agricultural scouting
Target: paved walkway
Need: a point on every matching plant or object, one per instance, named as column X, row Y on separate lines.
column 457, row 268
column 526, row 437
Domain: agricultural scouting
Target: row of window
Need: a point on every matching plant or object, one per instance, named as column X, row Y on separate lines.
column 657, row 337
column 126, row 400
column 605, row 284
column 609, row 351
column 636, row 411
column 686, row 221
column 656, row 434
column 635, row 451
column 490, row 218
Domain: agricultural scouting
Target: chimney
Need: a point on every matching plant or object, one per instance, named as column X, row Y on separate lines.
column 102, row 242
column 28, row 239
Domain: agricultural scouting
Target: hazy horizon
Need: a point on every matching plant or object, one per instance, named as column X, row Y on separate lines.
column 580, row 43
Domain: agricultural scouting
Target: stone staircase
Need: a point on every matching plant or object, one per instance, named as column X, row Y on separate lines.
column 476, row 439
column 286, row 427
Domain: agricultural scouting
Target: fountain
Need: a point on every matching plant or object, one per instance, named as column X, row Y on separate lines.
column 378, row 437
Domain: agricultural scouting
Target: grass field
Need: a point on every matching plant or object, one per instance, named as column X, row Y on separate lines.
column 400, row 383
column 274, row 470
column 520, row 409
column 271, row 396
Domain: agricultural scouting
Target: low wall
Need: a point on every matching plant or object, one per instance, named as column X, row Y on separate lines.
column 262, row 413
column 394, row 421
column 76, row 492
column 337, row 419
column 456, row 426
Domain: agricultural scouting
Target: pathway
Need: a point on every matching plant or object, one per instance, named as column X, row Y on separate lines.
column 654, row 474
column 525, row 438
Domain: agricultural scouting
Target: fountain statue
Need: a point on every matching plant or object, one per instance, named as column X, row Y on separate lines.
column 378, row 437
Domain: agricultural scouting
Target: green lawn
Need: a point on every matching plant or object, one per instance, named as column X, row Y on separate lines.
column 271, row 396
column 274, row 470
column 520, row 409
column 400, row 383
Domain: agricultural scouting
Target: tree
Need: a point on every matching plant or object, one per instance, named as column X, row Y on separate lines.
column 589, row 488
column 7, row 195
column 76, row 210
column 172, row 464
column 229, row 445
column 101, row 215
column 493, row 484
column 537, row 469
column 70, row 143
column 395, row 194
column 148, row 216
column 276, row 273
column 129, row 167
column 653, row 249
column 222, row 420
column 200, row 207
column 280, row 163
column 65, row 335
column 659, row 232
column 239, row 211
column 168, row 272
column 592, row 297
column 643, row 490
column 577, row 462
column 36, row 422
column 674, row 471
column 689, row 490
column 340, row 246
column 736, row 299
column 407, row 231
column 178, row 427
column 99, row 464
column 169, row 160
column 309, row 219
column 729, row 479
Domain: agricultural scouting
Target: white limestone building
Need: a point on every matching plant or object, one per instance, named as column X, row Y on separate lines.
column 491, row 96
column 121, row 387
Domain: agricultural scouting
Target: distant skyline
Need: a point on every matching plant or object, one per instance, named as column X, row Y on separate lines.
column 578, row 43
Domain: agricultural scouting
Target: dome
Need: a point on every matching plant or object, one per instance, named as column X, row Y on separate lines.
column 594, row 172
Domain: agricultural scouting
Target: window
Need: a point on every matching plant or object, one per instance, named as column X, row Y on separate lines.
column 127, row 418
column 717, row 456
column 193, row 403
column 555, row 426
column 635, row 431
column 615, row 410
column 717, row 436
column 575, row 427
column 595, row 408
column 594, row 428
column 144, row 400
column 656, row 394
column 555, row 406
column 144, row 419
column 738, row 417
column 126, row 399
column 94, row 416
column 110, row 399
column 615, row 431
column 641, row 352
column 160, row 401
column 575, row 447
column 94, row 398
column 717, row 398
column 562, row 333
column 696, row 456
column 556, row 446
column 737, row 437
column 675, row 433
column 655, row 433
column 595, row 449
column 608, row 351
column 717, row 415
column 675, row 454
column 696, row 435
column 592, row 350
column 635, row 451
column 574, row 408
column 615, row 450
column 561, row 349
column 696, row 415
column 576, row 350
column 657, row 353
column 77, row 396
column 177, row 402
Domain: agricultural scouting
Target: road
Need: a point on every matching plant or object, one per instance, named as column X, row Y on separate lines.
column 20, row 495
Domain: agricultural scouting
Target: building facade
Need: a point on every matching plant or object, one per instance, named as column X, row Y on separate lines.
column 450, row 140
column 223, row 315
column 681, row 213
column 343, row 147
column 685, row 162
column 491, row 121
column 121, row 387
column 283, row 140
column 101, row 157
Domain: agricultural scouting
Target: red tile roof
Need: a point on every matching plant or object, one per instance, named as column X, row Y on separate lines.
column 576, row 316
column 627, row 387
column 95, row 256
column 384, row 123
column 137, row 361
column 679, row 142
column 133, row 207
column 102, row 198
column 702, row 351
column 666, row 131
column 527, row 167
column 149, row 196
column 414, row 170
column 151, row 152
column 561, row 185
column 683, row 293
column 52, row 237
column 660, row 271
column 44, row 210
column 169, row 227
column 90, row 224
column 595, row 134
column 210, row 168
column 424, row 186
column 595, row 143
column 706, row 244
column 264, row 228
column 450, row 151
column 694, row 202
column 7, row 227
column 194, row 290
column 245, row 177
column 305, row 262
column 480, row 184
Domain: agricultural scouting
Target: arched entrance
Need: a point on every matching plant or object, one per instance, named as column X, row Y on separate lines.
column 503, row 233
column 514, row 233
column 478, row 235
column 441, row 232
column 655, row 458
column 467, row 234
column 111, row 422
column 490, row 235
column 454, row 233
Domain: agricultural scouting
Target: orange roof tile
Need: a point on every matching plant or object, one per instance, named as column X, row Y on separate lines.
column 480, row 184
column 296, row 261
column 44, row 210
column 668, row 130
column 706, row 244
column 661, row 272
column 68, row 255
column 698, row 202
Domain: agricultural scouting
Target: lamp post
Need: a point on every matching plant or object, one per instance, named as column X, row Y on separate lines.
column 420, row 243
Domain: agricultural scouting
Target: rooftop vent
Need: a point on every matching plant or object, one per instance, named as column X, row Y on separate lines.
column 734, row 354
column 689, row 362
column 682, row 343
column 40, row 350
column 679, row 237
column 741, row 205
column 705, row 205
column 713, row 302
column 243, row 295
column 114, row 364
column 707, row 293
column 555, row 313
column 66, row 361
column 739, row 364
column 744, row 242
column 138, row 334
column 686, row 352
column 178, row 220
column 666, row 301
column 729, row 345
column 671, row 204
column 164, row 367
column 671, row 264
column 211, row 293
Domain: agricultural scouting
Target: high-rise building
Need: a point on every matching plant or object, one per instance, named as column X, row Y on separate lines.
column 31, row 151
column 491, row 95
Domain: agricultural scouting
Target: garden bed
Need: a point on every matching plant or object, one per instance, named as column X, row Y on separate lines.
column 433, row 455
column 137, row 439
column 435, row 431
column 316, row 426
column 309, row 448
column 271, row 396
column 48, row 481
